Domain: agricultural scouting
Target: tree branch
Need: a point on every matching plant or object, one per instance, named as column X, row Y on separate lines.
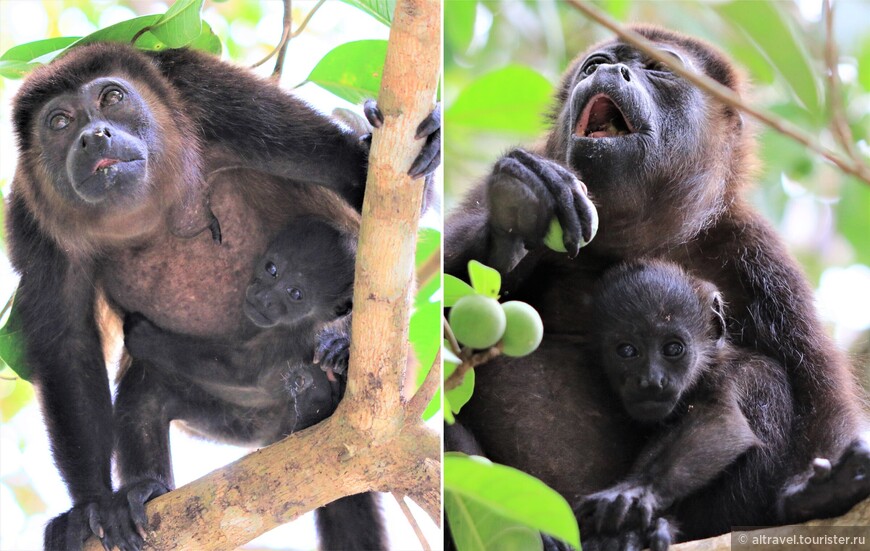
column 369, row 443
column 856, row 168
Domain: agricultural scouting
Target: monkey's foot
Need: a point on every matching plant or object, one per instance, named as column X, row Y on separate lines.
column 430, row 130
column 70, row 530
column 623, row 507
column 658, row 537
column 831, row 490
column 332, row 351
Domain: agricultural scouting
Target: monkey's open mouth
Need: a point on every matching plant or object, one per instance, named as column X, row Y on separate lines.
column 602, row 118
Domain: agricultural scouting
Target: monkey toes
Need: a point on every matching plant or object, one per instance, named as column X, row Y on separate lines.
column 430, row 130
column 332, row 351
column 658, row 537
column 623, row 507
column 832, row 489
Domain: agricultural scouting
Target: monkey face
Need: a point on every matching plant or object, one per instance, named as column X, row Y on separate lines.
column 95, row 142
column 650, row 373
column 279, row 297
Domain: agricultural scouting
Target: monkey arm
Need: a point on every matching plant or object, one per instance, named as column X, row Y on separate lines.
column 54, row 304
column 683, row 459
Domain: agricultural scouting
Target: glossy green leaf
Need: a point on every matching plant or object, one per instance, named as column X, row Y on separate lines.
column 454, row 289
column 180, row 25
column 485, row 280
column 382, row 10
column 208, row 41
column 353, row 70
column 512, row 99
column 424, row 333
column 125, row 31
column 16, row 69
column 459, row 24
column 428, row 243
column 475, row 527
column 767, row 26
column 511, row 494
column 33, row 50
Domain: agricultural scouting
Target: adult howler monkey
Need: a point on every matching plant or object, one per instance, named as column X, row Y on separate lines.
column 661, row 338
column 666, row 167
column 125, row 158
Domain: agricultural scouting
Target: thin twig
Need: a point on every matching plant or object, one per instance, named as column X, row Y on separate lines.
column 839, row 124
column 451, row 338
column 308, row 17
column 420, row 400
column 722, row 93
column 469, row 362
column 282, row 50
column 400, row 499
column 429, row 269
column 8, row 304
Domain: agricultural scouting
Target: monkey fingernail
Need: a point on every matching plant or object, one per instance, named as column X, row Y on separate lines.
column 821, row 467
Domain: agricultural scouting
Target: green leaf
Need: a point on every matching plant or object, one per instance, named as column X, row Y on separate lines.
column 460, row 395
column 12, row 350
column 475, row 527
column 767, row 26
column 851, row 211
column 32, row 50
column 454, row 289
column 459, row 31
column 511, row 494
column 16, row 69
column 180, row 25
column 382, row 10
column 208, row 41
column 428, row 243
column 125, row 31
column 864, row 65
column 485, row 280
column 510, row 100
column 424, row 333
column 353, row 70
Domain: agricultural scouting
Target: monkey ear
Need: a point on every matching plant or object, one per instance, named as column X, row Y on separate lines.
column 720, row 326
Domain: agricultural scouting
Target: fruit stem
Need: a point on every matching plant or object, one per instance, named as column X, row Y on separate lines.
column 470, row 360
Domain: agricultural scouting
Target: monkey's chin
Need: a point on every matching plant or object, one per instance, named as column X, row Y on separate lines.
column 650, row 411
column 256, row 317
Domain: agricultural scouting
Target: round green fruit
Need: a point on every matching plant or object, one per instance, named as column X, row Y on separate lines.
column 477, row 321
column 524, row 329
column 553, row 239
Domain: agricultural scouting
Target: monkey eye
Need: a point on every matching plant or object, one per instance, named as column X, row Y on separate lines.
column 112, row 96
column 271, row 269
column 58, row 122
column 673, row 349
column 295, row 294
column 626, row 350
column 592, row 64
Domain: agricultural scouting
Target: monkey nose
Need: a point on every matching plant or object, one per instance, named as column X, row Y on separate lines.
column 92, row 136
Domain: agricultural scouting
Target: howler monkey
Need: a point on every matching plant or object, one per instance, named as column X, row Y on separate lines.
column 125, row 158
column 661, row 338
column 298, row 304
column 666, row 166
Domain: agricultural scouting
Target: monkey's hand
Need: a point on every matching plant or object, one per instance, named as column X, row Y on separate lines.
column 118, row 520
column 139, row 334
column 527, row 191
column 829, row 490
column 430, row 130
column 333, row 350
column 657, row 537
column 626, row 506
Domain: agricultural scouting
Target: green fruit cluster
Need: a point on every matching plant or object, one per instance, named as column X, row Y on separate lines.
column 480, row 322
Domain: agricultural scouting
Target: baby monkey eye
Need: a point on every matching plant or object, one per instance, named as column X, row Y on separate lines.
column 295, row 294
column 626, row 350
column 271, row 269
column 112, row 97
column 58, row 122
column 673, row 349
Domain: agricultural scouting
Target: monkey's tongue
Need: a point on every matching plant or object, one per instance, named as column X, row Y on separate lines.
column 106, row 163
column 601, row 118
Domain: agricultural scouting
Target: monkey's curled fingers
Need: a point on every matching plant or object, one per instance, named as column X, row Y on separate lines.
column 526, row 191
column 626, row 506
column 332, row 351
column 658, row 537
column 831, row 489
column 70, row 530
column 430, row 157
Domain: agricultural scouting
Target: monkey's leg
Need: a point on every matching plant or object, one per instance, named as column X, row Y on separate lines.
column 143, row 410
column 352, row 523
